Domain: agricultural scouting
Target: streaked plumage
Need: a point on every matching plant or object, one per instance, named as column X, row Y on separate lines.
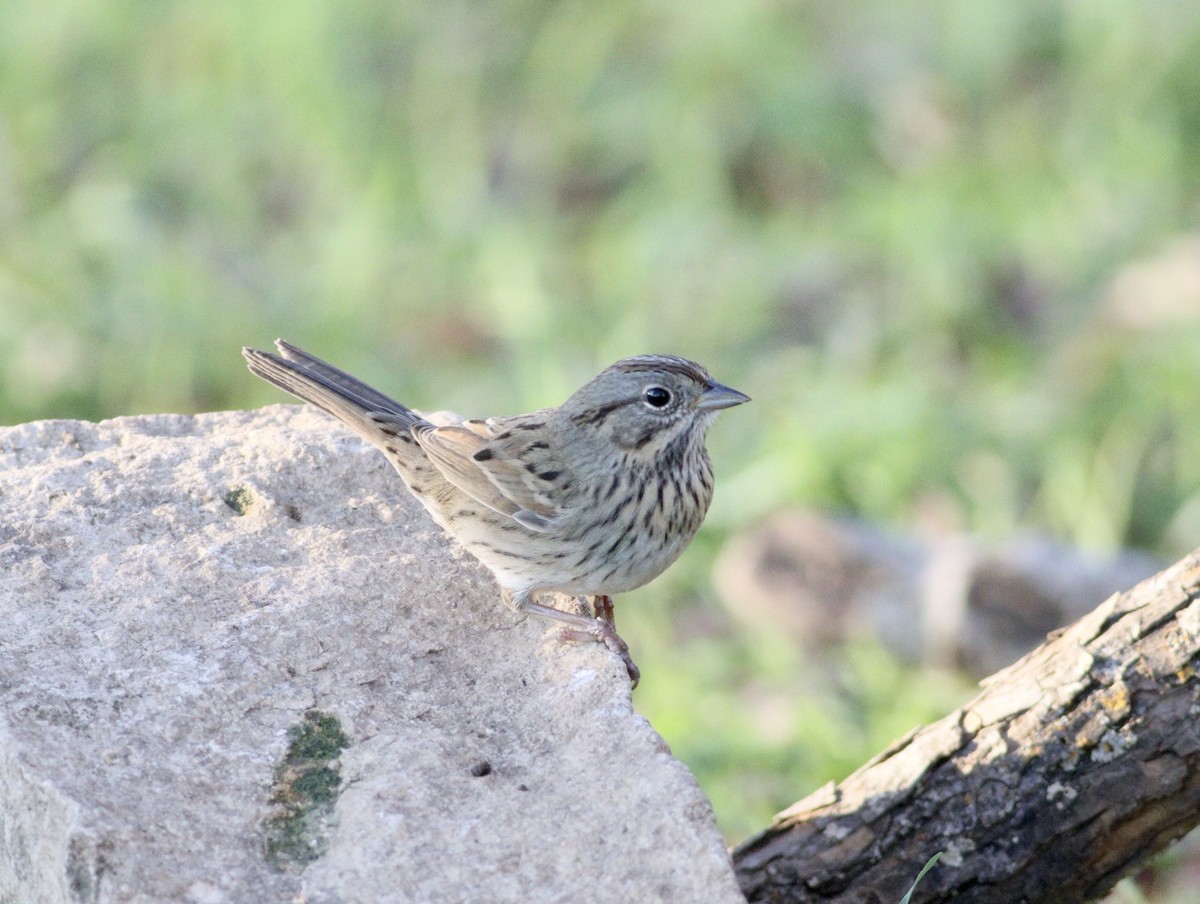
column 595, row 497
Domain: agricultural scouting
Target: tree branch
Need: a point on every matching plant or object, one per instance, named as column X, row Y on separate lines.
column 1071, row 767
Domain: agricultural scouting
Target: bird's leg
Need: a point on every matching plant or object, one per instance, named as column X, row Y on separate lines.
column 581, row 627
column 603, row 607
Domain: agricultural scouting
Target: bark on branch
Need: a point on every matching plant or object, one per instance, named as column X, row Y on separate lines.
column 1071, row 767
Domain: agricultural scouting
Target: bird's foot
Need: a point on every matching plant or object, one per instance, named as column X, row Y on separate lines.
column 579, row 627
column 602, row 631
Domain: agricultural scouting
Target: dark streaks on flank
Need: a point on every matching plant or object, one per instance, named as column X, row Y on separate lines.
column 509, row 554
column 606, row 494
column 612, row 516
column 619, row 543
column 591, row 550
column 490, row 547
column 648, row 520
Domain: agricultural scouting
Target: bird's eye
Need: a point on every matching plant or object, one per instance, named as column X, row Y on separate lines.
column 657, row 397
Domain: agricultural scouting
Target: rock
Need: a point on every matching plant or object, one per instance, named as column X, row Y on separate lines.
column 238, row 664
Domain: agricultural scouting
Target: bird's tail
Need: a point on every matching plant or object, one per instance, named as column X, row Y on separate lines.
column 332, row 390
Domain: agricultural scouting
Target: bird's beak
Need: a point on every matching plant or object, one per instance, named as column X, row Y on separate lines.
column 718, row 396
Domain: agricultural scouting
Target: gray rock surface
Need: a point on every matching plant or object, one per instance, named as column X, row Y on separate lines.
column 197, row 614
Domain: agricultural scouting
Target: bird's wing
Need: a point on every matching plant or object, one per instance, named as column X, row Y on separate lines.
column 469, row 458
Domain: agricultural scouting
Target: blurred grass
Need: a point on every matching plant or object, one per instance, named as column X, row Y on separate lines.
column 950, row 249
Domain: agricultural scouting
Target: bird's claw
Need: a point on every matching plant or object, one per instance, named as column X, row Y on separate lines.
column 602, row 631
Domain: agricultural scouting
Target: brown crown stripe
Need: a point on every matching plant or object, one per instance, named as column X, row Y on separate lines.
column 667, row 363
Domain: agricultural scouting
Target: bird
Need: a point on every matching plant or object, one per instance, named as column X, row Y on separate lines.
column 593, row 498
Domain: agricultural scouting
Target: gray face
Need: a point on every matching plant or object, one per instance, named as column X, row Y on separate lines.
column 643, row 403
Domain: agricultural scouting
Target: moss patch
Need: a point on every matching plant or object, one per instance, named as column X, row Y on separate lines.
column 306, row 786
column 240, row 499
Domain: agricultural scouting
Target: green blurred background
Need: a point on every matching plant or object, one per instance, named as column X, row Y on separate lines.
column 949, row 248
